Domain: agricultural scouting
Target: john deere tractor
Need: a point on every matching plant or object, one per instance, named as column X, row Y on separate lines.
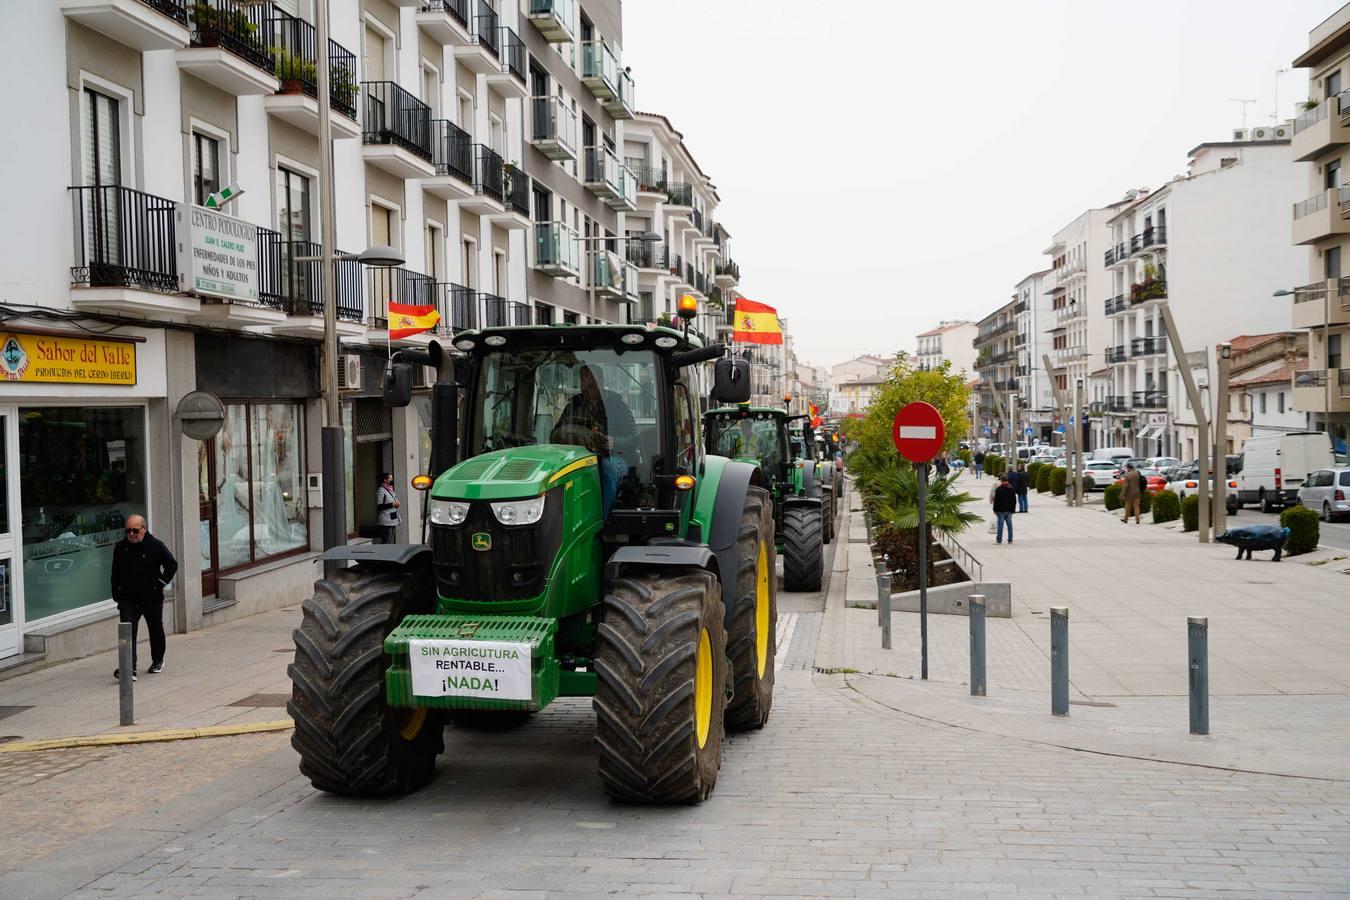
column 809, row 448
column 578, row 542
column 758, row 436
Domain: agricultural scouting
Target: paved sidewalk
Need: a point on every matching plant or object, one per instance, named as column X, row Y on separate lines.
column 207, row 675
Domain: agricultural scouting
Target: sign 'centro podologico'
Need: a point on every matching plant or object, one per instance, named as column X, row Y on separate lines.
column 918, row 431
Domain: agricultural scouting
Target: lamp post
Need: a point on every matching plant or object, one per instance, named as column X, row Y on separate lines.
column 1326, row 346
column 1220, row 469
column 650, row 237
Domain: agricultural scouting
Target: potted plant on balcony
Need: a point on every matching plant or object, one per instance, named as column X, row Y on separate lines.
column 1310, row 104
column 294, row 72
column 209, row 21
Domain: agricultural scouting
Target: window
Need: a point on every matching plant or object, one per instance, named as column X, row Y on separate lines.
column 82, row 473
column 468, row 268
column 1333, row 351
column 1331, row 262
column 205, row 167
column 1331, row 174
column 435, row 252
column 1333, row 83
column 1281, row 401
column 102, row 139
column 431, row 90
column 259, row 496
column 571, row 318
column 543, row 314
column 1264, row 395
column 293, row 212
column 686, row 430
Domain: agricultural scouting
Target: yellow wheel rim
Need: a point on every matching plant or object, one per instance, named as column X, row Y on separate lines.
column 762, row 609
column 703, row 688
column 410, row 723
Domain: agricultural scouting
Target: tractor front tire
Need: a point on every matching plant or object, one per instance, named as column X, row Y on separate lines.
column 753, row 618
column 661, row 686
column 803, row 559
column 350, row 742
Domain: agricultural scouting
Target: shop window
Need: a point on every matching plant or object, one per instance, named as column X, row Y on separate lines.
column 82, row 473
column 260, row 497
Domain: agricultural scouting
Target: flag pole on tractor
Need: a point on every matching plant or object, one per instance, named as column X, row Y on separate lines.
column 756, row 323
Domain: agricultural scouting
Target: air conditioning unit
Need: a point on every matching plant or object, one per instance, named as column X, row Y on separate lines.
column 1282, row 133
column 1261, row 134
column 349, row 372
column 1239, row 134
column 423, row 376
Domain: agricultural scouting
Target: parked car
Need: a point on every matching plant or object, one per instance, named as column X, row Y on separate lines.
column 1043, row 460
column 1189, row 483
column 1153, row 480
column 1274, row 466
column 1327, row 491
column 1101, row 472
column 1112, row 453
column 1163, row 463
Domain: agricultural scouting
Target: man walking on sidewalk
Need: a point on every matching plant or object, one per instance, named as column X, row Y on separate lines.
column 141, row 568
column 1005, row 502
column 1131, row 492
column 978, row 459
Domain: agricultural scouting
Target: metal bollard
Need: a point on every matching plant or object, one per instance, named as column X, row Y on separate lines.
column 126, row 715
column 884, row 608
column 1197, row 636
column 977, row 677
column 1059, row 660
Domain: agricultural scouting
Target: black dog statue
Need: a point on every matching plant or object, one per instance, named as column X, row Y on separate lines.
column 1256, row 537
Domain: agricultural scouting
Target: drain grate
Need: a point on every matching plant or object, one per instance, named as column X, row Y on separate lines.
column 7, row 711
column 258, row 700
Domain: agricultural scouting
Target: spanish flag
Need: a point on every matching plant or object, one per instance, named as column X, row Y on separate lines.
column 814, row 412
column 756, row 323
column 405, row 321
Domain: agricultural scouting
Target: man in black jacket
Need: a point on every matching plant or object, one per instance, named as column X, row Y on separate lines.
column 141, row 568
column 1005, row 503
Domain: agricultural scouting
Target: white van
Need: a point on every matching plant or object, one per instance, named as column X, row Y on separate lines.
column 1113, row 453
column 1274, row 467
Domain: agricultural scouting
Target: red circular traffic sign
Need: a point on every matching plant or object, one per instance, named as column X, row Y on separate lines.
column 918, row 431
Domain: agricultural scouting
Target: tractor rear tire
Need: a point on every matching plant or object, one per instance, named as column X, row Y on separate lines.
column 753, row 618
column 349, row 741
column 660, row 695
column 827, row 524
column 803, row 559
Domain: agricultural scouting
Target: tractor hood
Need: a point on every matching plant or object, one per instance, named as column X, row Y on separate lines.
column 513, row 473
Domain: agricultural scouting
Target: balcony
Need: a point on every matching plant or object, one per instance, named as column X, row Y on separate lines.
column 607, row 273
column 1320, row 217
column 509, row 78
column 727, row 273
column 1113, row 404
column 294, row 62
column 1322, row 128
column 489, row 183
column 1062, row 356
column 458, row 308
column 1324, row 302
column 630, row 282
column 609, row 180
column 622, row 106
column 139, row 24
column 1148, row 289
column 482, row 55
column 650, row 180
column 556, row 250
column 498, row 312
column 452, row 157
column 600, row 70
column 680, row 194
column 554, row 19
column 516, row 199
column 302, row 292
column 1153, row 400
column 1066, row 312
column 1322, row 390
column 1117, row 304
column 231, row 47
column 447, row 21
column 652, row 256
column 1020, row 340
column 126, row 253
column 396, row 131
column 397, row 284
column 1148, row 346
column 554, row 131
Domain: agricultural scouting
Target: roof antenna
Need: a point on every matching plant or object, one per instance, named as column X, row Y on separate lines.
column 1245, row 103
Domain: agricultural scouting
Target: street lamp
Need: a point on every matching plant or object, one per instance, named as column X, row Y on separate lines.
column 1326, row 346
column 650, row 237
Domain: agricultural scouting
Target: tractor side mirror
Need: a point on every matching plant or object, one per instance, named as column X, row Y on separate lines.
column 397, row 384
column 731, row 380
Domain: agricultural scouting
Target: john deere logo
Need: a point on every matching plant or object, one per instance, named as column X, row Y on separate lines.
column 481, row 541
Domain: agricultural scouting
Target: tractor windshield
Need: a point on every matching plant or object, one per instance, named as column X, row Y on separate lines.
column 752, row 436
column 599, row 399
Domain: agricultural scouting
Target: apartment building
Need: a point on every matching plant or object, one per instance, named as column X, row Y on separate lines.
column 950, row 341
column 1209, row 244
column 1321, row 224
column 853, row 382
column 1034, row 314
column 995, row 346
column 477, row 139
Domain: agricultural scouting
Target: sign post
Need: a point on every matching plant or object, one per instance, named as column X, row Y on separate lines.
column 918, row 433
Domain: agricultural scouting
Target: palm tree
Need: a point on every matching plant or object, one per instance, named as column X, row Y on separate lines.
column 894, row 493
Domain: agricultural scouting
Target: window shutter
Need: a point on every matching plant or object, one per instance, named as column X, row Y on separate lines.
column 374, row 55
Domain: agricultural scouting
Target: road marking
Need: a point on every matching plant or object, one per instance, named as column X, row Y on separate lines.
column 918, row 432
column 783, row 639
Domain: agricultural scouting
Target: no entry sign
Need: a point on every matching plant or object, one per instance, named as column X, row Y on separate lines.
column 918, row 431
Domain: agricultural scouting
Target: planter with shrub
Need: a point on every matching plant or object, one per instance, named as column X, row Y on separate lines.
column 1145, row 502
column 1166, row 507
column 1304, row 530
column 1190, row 513
column 1058, row 478
column 1112, row 496
column 1043, row 479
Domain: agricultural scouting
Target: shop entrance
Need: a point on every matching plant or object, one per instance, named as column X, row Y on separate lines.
column 372, row 454
column 9, row 497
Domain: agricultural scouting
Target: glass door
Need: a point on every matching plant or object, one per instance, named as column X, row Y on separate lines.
column 9, row 578
column 207, row 525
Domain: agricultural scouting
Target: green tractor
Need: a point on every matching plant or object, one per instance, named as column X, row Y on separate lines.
column 578, row 542
column 758, row 436
column 813, row 449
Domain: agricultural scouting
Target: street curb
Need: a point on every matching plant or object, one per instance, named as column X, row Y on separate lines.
column 147, row 737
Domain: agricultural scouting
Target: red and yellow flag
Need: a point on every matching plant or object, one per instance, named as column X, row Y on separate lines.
column 405, row 321
column 814, row 412
column 756, row 323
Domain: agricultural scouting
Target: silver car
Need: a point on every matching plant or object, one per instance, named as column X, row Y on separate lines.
column 1327, row 492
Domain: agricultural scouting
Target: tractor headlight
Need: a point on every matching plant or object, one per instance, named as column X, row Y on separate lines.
column 519, row 512
column 447, row 512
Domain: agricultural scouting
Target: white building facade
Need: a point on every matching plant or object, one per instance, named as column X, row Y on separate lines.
column 953, row 342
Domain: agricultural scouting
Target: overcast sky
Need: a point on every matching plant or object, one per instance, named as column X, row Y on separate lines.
column 884, row 165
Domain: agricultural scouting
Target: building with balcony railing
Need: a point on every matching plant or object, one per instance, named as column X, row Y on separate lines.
column 1321, row 306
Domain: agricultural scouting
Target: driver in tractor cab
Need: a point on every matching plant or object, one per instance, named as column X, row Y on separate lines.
column 606, row 415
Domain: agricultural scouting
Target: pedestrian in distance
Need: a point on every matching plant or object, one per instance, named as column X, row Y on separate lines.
column 387, row 505
column 979, row 463
column 1130, row 493
column 1005, row 503
column 141, row 568
column 1020, row 482
column 942, row 468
